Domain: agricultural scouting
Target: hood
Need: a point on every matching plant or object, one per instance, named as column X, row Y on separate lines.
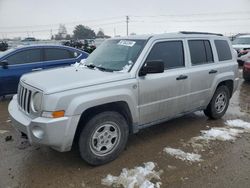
column 61, row 79
column 240, row 46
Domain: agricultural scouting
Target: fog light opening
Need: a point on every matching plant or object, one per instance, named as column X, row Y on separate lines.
column 38, row 132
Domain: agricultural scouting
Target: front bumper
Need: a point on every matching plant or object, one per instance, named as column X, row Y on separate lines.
column 55, row 133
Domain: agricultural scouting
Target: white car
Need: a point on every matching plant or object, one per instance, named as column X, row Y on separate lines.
column 242, row 45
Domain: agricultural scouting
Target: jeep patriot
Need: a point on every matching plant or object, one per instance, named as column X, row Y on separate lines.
column 125, row 85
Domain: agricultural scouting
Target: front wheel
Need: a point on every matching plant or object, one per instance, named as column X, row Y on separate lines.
column 219, row 103
column 103, row 138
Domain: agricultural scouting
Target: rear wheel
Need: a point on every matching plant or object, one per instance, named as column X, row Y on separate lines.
column 103, row 138
column 219, row 103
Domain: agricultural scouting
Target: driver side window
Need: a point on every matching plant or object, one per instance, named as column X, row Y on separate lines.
column 170, row 52
column 26, row 56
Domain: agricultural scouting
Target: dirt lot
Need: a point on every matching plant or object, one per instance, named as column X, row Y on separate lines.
column 225, row 164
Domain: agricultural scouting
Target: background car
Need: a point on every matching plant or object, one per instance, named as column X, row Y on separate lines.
column 87, row 45
column 3, row 46
column 246, row 71
column 17, row 61
column 242, row 45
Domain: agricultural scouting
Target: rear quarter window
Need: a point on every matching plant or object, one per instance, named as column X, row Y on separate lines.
column 223, row 50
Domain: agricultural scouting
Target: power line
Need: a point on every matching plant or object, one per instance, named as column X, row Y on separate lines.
column 120, row 17
column 196, row 14
column 65, row 23
column 46, row 30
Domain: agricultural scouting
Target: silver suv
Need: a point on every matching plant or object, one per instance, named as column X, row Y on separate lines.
column 125, row 85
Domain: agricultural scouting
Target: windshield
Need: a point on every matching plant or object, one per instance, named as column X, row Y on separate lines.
column 116, row 54
column 242, row 40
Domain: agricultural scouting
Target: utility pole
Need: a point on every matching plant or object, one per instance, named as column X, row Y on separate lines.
column 114, row 31
column 127, row 20
column 51, row 34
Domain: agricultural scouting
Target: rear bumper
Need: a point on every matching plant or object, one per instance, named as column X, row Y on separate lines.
column 55, row 133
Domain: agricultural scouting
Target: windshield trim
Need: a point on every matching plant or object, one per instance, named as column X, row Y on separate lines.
column 146, row 41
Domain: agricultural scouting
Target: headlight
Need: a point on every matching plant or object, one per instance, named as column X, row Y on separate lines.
column 37, row 101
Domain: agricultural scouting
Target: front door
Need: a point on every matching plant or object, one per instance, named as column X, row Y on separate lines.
column 18, row 64
column 164, row 95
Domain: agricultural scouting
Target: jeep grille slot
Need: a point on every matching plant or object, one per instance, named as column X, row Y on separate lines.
column 24, row 98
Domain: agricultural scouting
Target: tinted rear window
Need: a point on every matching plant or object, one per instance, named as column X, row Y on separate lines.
column 170, row 52
column 57, row 54
column 200, row 52
column 223, row 50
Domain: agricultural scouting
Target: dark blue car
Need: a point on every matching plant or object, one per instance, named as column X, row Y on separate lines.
column 18, row 61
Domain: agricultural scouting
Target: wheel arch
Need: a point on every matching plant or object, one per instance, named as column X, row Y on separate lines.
column 121, row 107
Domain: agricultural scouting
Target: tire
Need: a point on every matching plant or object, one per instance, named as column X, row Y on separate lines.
column 222, row 98
column 103, row 138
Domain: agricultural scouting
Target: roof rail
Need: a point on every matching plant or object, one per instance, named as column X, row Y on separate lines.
column 203, row 33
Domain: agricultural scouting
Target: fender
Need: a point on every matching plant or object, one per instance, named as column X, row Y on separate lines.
column 220, row 78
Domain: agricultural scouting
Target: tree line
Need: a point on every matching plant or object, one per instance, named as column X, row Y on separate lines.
column 79, row 32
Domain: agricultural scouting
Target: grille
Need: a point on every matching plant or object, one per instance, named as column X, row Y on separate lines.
column 24, row 97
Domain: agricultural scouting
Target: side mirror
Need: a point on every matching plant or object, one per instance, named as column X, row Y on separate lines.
column 4, row 64
column 152, row 67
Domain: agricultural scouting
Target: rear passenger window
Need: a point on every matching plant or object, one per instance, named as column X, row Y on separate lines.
column 57, row 54
column 200, row 52
column 223, row 50
column 170, row 52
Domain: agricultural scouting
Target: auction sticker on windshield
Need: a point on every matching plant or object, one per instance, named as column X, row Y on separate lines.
column 126, row 43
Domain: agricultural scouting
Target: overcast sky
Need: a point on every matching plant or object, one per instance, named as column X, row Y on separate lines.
column 39, row 18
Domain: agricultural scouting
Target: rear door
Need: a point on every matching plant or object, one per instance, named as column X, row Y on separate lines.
column 56, row 57
column 164, row 95
column 202, row 72
column 19, row 63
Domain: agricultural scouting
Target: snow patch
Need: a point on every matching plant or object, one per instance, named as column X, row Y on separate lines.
column 3, row 131
column 137, row 177
column 222, row 134
column 126, row 67
column 179, row 154
column 80, row 64
column 238, row 123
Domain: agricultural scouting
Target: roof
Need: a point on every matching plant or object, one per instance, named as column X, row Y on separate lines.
column 185, row 34
column 30, row 46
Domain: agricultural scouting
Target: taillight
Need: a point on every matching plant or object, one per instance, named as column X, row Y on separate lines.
column 247, row 65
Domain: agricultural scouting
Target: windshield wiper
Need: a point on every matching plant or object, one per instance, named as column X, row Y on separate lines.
column 105, row 69
column 92, row 66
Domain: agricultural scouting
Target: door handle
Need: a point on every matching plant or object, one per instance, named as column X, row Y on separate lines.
column 37, row 69
column 182, row 77
column 212, row 71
